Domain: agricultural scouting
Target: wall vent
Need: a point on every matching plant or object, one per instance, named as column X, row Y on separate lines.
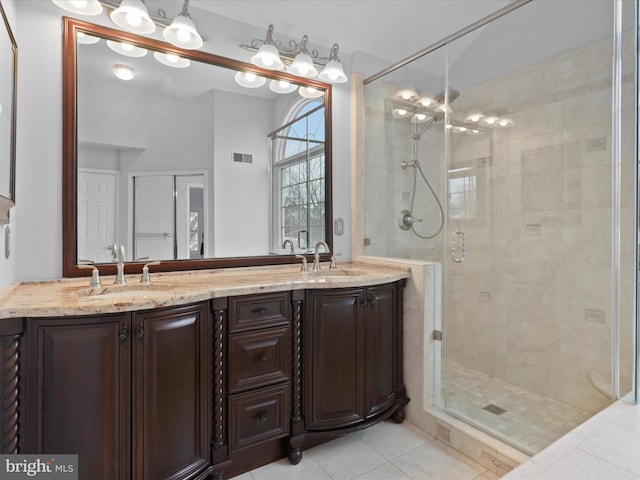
column 243, row 157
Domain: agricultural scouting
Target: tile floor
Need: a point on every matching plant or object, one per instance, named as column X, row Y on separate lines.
column 531, row 421
column 386, row 451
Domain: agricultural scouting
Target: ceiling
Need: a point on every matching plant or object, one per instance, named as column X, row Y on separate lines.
column 391, row 30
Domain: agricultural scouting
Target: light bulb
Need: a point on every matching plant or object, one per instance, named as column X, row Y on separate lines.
column 421, row 116
column 402, row 111
column 183, row 35
column 172, row 57
column 126, row 46
column 79, row 3
column 283, row 84
column 134, row 19
column 250, row 76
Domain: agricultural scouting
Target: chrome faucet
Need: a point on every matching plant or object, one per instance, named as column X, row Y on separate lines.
column 316, row 261
column 120, row 257
column 284, row 245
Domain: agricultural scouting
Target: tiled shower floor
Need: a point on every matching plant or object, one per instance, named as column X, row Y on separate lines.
column 530, row 421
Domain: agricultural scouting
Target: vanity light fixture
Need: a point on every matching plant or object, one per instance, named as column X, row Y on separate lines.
column 298, row 59
column 127, row 49
column 81, row 7
column 172, row 60
column 249, row 79
column 182, row 31
column 123, row 72
column 133, row 16
column 474, row 116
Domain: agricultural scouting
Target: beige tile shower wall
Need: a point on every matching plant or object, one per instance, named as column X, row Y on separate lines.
column 532, row 301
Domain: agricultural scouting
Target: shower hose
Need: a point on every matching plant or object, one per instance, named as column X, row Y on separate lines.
column 418, row 168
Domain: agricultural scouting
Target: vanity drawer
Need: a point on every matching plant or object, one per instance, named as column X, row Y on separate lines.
column 258, row 416
column 259, row 358
column 258, row 311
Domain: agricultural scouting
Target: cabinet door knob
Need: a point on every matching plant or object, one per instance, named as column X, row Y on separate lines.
column 263, row 417
column 140, row 333
column 124, row 334
column 263, row 358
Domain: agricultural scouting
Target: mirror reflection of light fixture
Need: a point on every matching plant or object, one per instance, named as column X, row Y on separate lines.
column 400, row 113
column 172, row 60
column 474, row 116
column 85, row 39
column 282, row 86
column 133, row 16
column 407, row 94
column 310, row 92
column 419, row 118
column 80, row 7
column 299, row 60
column 127, row 49
column 123, row 72
column 249, row 79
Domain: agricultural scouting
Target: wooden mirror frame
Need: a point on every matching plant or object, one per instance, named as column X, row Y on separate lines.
column 70, row 268
column 8, row 201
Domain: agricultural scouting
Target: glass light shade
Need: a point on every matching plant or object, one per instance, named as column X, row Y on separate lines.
column 132, row 15
column 400, row 113
column 302, row 66
column 81, row 7
column 267, row 57
column 123, row 72
column 426, row 100
column 505, row 122
column 182, row 33
column 491, row 120
column 419, row 118
column 310, row 92
column 407, row 94
column 85, row 39
column 172, row 60
column 126, row 49
column 474, row 116
column 281, row 86
column 333, row 73
column 249, row 79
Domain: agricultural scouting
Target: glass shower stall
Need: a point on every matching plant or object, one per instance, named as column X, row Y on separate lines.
column 507, row 153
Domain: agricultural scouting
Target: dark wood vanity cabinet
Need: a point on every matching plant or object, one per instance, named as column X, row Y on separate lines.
column 352, row 362
column 129, row 393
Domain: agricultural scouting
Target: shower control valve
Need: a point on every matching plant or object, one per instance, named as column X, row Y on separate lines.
column 406, row 220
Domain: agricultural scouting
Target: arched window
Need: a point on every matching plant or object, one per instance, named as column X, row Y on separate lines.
column 298, row 163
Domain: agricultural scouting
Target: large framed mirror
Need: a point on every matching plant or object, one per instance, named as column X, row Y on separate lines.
column 186, row 157
column 8, row 96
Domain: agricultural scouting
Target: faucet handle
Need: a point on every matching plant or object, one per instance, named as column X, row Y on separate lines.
column 95, row 276
column 304, row 267
column 332, row 260
column 145, row 278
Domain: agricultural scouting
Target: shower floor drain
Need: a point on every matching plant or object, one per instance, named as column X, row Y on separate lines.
column 496, row 410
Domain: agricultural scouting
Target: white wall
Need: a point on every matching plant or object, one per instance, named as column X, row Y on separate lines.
column 38, row 237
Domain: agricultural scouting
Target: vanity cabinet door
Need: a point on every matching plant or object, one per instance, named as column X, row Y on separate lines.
column 335, row 355
column 380, row 348
column 79, row 392
column 171, row 392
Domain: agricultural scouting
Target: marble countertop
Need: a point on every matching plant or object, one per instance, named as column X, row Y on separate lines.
column 72, row 296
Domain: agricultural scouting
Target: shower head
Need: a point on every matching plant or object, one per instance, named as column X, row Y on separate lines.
column 453, row 96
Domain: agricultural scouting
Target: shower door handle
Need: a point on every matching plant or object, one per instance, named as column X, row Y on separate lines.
column 458, row 239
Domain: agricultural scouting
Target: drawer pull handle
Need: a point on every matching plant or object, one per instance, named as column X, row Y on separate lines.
column 259, row 312
column 263, row 358
column 263, row 417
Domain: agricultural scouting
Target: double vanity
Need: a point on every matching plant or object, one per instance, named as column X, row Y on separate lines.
column 200, row 374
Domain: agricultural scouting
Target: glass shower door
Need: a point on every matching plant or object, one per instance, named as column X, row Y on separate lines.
column 529, row 311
